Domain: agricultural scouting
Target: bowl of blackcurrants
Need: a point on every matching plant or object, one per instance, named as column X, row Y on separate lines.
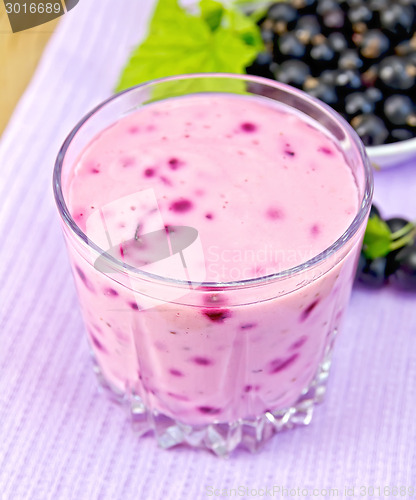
column 357, row 56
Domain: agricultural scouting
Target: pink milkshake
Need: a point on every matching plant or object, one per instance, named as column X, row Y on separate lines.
column 217, row 242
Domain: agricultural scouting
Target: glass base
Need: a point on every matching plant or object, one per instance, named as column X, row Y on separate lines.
column 223, row 438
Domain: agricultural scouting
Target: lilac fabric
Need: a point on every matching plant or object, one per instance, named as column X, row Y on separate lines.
column 61, row 439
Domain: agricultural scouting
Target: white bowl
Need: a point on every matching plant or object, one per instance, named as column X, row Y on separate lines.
column 390, row 155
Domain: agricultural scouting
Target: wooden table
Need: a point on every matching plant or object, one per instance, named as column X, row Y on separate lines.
column 19, row 56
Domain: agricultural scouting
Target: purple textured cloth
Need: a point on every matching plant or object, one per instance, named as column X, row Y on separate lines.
column 61, row 439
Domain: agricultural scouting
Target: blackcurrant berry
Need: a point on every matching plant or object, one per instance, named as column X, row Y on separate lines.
column 358, row 103
column 306, row 28
column 325, row 6
column 289, row 46
column 350, row 60
column 374, row 44
column 404, row 276
column 348, row 80
column 320, row 90
column 397, row 19
column 371, row 129
column 374, row 94
column 406, row 47
column 337, row 41
column 334, row 19
column 322, row 54
column 372, row 272
column 267, row 36
column 374, row 211
column 395, row 73
column 283, row 12
column 328, row 77
column 293, row 72
column 360, row 14
column 398, row 109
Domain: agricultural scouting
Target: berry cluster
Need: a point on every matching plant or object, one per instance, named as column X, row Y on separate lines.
column 358, row 56
column 389, row 253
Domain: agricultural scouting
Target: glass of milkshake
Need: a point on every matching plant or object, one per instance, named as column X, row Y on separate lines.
column 213, row 224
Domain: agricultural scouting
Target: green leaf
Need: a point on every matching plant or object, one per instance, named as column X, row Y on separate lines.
column 377, row 238
column 175, row 44
column 212, row 12
column 179, row 43
column 167, row 11
column 244, row 26
column 229, row 51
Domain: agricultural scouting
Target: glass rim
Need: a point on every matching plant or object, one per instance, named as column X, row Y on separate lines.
column 364, row 206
